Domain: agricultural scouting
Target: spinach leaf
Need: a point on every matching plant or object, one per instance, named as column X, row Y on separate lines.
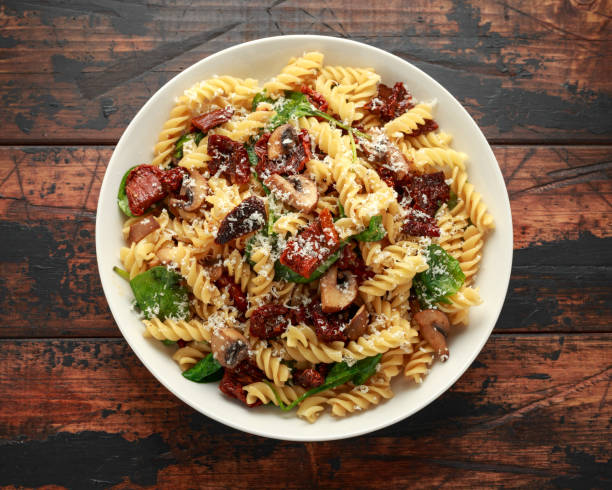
column 443, row 278
column 168, row 342
column 159, row 293
column 341, row 373
column 122, row 199
column 205, row 371
column 260, row 97
column 375, row 231
column 196, row 136
column 293, row 106
column 452, row 201
column 282, row 272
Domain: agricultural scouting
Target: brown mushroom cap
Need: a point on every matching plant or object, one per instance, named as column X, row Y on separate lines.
column 434, row 326
column 229, row 347
column 141, row 229
column 336, row 297
column 358, row 324
column 282, row 141
column 194, row 189
column 296, row 191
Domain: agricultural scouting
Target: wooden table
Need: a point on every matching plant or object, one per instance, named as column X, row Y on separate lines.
column 79, row 410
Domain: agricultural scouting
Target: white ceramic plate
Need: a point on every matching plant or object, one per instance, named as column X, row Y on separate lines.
column 262, row 59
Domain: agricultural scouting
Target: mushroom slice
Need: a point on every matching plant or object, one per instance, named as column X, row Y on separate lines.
column 358, row 324
column 296, row 191
column 193, row 191
column 141, row 229
column 434, row 326
column 336, row 297
column 282, row 141
column 229, row 347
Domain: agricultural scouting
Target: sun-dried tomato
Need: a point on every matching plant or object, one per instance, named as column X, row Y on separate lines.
column 234, row 380
column 418, row 223
column 312, row 246
column 269, row 321
column 250, row 215
column 329, row 327
column 429, row 126
column 229, row 158
column 308, row 378
column 236, row 294
column 315, row 98
column 422, row 195
column 390, row 103
column 428, row 191
column 206, row 122
column 147, row 184
column 352, row 261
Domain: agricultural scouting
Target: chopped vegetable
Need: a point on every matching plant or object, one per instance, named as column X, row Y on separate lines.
column 159, row 293
column 259, row 98
column 453, row 199
column 205, row 371
column 178, row 147
column 284, row 273
column 341, row 373
column 375, row 231
column 442, row 279
column 122, row 199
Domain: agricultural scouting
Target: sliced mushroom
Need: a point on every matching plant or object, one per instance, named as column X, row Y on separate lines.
column 214, row 271
column 334, row 296
column 142, row 228
column 193, row 192
column 296, row 191
column 229, row 347
column 282, row 141
column 358, row 324
column 434, row 326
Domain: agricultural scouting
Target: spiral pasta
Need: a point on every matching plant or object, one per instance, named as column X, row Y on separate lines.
column 369, row 198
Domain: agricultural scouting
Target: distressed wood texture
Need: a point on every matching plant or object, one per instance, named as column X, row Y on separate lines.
column 527, row 71
column 561, row 209
column 532, row 411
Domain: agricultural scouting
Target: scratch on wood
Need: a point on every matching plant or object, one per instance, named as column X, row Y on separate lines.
column 553, row 399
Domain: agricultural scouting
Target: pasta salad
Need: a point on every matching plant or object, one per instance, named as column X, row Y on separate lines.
column 305, row 241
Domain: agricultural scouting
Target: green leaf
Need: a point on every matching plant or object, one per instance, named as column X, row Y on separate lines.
column 260, row 97
column 122, row 199
column 442, row 279
column 168, row 342
column 205, row 371
column 250, row 149
column 282, row 272
column 196, row 136
column 452, row 201
column 375, row 231
column 159, row 293
column 293, row 106
column 339, row 374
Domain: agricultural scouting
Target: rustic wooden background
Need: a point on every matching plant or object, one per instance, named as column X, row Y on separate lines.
column 77, row 409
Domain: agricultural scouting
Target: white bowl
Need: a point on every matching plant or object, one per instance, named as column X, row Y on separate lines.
column 262, row 59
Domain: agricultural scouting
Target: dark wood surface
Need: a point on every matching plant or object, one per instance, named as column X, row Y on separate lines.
column 78, row 409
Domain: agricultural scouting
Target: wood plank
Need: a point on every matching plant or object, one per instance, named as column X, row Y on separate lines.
column 531, row 411
column 49, row 283
column 79, row 72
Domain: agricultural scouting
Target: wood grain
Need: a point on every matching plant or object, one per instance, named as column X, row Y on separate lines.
column 49, row 283
column 531, row 411
column 527, row 71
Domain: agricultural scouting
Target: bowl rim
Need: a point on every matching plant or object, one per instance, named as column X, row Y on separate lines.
column 373, row 425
